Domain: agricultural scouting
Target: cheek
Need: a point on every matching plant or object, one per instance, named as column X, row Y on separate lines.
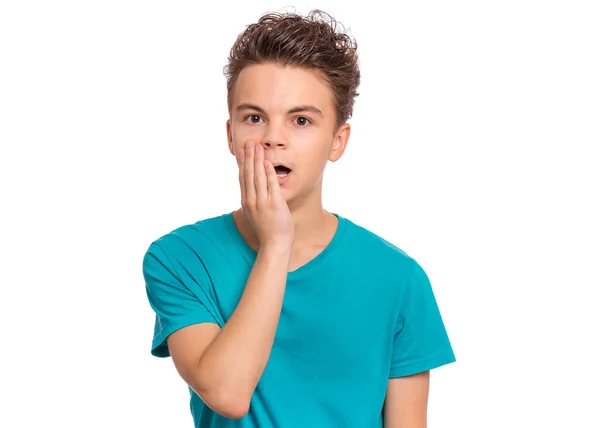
column 241, row 132
column 238, row 137
column 318, row 157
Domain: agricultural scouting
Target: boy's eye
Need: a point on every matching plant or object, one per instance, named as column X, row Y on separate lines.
column 302, row 121
column 254, row 118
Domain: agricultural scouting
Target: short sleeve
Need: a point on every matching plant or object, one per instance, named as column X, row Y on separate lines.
column 421, row 342
column 174, row 304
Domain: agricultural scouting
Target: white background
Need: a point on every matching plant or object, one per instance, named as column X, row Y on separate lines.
column 474, row 148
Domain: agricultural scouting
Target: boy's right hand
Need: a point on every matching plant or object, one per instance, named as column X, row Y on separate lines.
column 262, row 201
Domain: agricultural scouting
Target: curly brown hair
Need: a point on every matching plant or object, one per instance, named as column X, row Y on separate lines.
column 315, row 42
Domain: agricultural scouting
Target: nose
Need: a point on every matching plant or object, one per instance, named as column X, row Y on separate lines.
column 274, row 136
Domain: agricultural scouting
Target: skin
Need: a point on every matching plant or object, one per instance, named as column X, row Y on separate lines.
column 304, row 140
column 283, row 115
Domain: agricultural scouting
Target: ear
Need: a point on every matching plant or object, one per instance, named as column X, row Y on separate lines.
column 230, row 137
column 340, row 141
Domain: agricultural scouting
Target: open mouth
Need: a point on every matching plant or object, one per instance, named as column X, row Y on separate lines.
column 282, row 170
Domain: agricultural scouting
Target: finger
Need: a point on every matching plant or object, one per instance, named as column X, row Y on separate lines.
column 241, row 157
column 249, row 174
column 260, row 175
column 272, row 181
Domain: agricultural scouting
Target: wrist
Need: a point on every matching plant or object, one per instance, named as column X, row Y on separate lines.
column 279, row 248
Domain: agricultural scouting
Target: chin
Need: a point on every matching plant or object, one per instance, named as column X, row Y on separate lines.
column 295, row 198
column 288, row 194
column 289, row 197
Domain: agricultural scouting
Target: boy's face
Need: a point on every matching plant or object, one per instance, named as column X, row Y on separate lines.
column 290, row 111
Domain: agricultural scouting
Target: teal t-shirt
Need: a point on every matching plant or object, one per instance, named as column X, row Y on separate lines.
column 358, row 314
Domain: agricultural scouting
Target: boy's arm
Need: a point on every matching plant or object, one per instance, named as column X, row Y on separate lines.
column 406, row 401
column 223, row 366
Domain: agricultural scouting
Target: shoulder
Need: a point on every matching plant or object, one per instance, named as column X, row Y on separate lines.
column 368, row 241
column 188, row 237
column 371, row 246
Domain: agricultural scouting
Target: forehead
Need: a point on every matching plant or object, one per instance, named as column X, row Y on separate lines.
column 279, row 87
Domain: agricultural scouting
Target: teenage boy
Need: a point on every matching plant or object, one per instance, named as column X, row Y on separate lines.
column 282, row 314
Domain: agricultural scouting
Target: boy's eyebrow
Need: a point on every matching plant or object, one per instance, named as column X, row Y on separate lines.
column 298, row 109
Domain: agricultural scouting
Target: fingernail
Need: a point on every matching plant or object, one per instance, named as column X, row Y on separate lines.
column 257, row 148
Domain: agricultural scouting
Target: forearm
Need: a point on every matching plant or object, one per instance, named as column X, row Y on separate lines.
column 232, row 365
column 406, row 401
